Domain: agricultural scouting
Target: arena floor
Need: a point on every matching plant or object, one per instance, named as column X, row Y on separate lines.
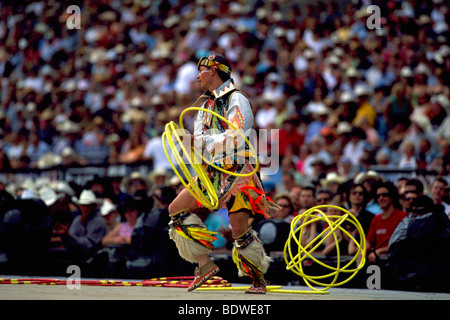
column 62, row 292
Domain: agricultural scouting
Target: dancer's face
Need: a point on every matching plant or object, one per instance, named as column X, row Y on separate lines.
column 205, row 77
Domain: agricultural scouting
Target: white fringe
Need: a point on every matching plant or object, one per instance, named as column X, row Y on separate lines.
column 254, row 252
column 189, row 249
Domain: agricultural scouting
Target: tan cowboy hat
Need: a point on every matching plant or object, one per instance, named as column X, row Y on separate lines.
column 332, row 177
column 158, row 172
column 68, row 127
column 134, row 115
column 48, row 160
column 363, row 176
column 124, row 184
column 87, row 197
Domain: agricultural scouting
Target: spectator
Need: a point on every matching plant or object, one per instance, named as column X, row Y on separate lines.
column 58, row 213
column 324, row 196
column 407, row 199
column 383, row 224
column 109, row 212
column 357, row 198
column 159, row 178
column 345, row 168
column 121, row 233
column 354, row 149
column 84, row 235
column 319, row 121
column 437, row 192
column 317, row 153
column 365, row 108
column 399, row 107
column 154, row 150
column 426, row 228
column 289, row 136
column 369, row 180
column 287, row 181
column 307, row 198
column 273, row 89
column 135, row 182
column 134, row 146
column 332, row 182
column 25, row 234
column 294, row 194
column 265, row 116
column 408, row 157
column 400, row 183
column 414, row 185
column 287, row 210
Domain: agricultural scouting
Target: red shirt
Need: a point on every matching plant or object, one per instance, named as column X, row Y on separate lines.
column 381, row 230
column 289, row 138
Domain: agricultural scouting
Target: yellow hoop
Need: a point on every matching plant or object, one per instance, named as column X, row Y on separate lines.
column 294, row 261
column 210, row 199
column 210, row 202
column 235, row 129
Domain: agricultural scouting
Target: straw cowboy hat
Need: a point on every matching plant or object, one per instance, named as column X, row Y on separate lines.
column 332, row 177
column 68, row 127
column 125, row 183
column 87, row 197
column 49, row 160
column 159, row 172
column 49, row 196
column 363, row 176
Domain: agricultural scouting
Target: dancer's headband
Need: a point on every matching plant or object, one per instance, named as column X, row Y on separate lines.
column 215, row 61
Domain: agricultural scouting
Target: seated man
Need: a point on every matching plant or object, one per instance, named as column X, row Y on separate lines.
column 84, row 235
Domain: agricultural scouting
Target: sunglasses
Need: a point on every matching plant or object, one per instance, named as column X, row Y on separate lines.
column 409, row 199
column 358, row 193
column 384, row 194
column 284, row 205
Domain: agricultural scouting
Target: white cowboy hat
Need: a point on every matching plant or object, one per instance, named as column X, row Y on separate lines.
column 62, row 187
column 49, row 196
column 107, row 207
column 87, row 197
column 346, row 97
column 28, row 194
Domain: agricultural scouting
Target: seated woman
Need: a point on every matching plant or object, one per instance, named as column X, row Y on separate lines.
column 121, row 233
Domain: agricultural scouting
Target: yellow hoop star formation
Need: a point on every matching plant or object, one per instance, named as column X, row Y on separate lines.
column 208, row 200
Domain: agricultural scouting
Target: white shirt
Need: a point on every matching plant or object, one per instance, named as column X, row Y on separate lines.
column 265, row 117
column 154, row 149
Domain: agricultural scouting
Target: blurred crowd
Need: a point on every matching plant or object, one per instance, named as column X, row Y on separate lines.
column 344, row 95
column 352, row 93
